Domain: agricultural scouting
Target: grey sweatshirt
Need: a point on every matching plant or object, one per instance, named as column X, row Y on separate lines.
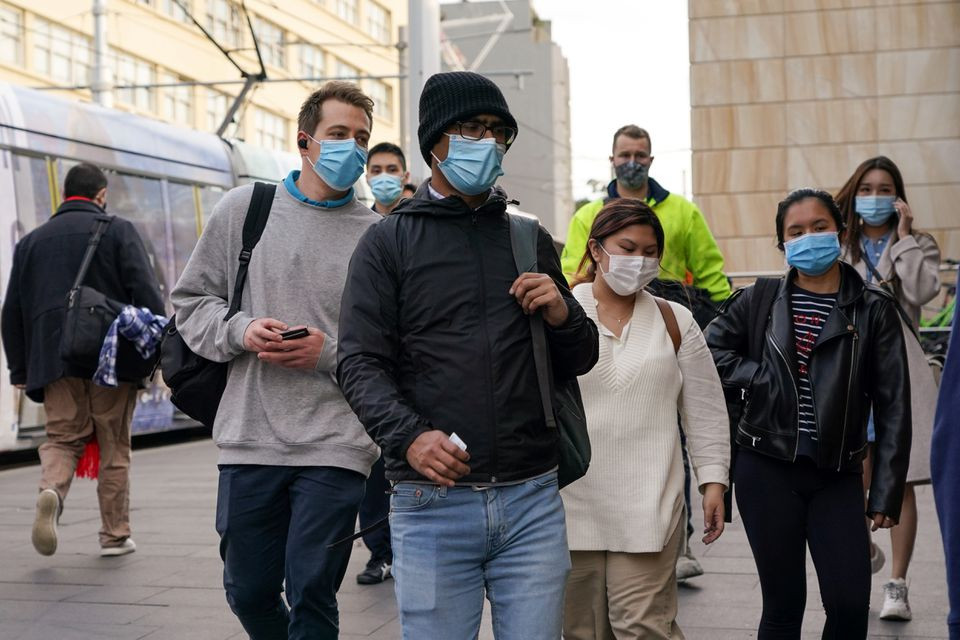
column 269, row 414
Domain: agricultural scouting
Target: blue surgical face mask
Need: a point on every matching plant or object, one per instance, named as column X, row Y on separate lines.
column 875, row 210
column 472, row 166
column 386, row 188
column 340, row 162
column 813, row 254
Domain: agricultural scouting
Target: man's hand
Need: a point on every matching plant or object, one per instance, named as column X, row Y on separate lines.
column 881, row 521
column 712, row 511
column 262, row 332
column 435, row 456
column 300, row 353
column 538, row 291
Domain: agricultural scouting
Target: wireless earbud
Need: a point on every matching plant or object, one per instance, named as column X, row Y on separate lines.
column 302, row 143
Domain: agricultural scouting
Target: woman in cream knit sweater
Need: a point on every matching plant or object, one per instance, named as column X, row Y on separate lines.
column 625, row 523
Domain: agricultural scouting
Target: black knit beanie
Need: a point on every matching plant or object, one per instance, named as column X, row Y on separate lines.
column 457, row 95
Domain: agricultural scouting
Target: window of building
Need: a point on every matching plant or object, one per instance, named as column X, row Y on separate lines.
column 224, row 22
column 132, row 70
column 348, row 71
column 270, row 130
column 272, row 42
column 313, row 63
column 173, row 10
column 60, row 53
column 217, row 105
column 382, row 95
column 11, row 35
column 177, row 102
column 347, row 10
column 378, row 22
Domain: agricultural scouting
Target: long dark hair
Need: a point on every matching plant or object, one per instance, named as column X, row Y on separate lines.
column 617, row 214
column 846, row 200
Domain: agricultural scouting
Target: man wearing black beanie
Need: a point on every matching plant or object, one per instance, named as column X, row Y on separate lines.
column 436, row 359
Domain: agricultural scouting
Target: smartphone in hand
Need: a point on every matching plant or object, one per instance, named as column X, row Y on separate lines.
column 294, row 334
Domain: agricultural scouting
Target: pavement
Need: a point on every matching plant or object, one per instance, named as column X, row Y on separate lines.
column 171, row 587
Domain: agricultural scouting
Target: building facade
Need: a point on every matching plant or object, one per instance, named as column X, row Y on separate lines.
column 796, row 93
column 538, row 166
column 49, row 43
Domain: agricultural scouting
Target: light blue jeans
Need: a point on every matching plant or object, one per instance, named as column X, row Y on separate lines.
column 452, row 545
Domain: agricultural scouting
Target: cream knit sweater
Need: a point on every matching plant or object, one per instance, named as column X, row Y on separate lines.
column 631, row 496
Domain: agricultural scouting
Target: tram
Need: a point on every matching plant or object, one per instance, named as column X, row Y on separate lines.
column 164, row 178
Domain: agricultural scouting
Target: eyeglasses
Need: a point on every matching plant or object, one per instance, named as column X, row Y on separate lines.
column 474, row 130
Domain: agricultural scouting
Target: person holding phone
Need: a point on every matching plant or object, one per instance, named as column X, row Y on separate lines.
column 885, row 249
column 293, row 457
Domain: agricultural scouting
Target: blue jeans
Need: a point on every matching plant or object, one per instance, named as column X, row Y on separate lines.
column 275, row 524
column 452, row 545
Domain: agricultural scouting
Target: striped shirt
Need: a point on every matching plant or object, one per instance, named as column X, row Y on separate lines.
column 810, row 311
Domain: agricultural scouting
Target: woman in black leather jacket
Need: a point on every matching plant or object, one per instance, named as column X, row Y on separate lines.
column 832, row 347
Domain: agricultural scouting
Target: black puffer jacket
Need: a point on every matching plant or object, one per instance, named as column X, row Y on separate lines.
column 430, row 338
column 858, row 359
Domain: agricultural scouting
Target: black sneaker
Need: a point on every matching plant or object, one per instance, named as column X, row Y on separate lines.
column 376, row 572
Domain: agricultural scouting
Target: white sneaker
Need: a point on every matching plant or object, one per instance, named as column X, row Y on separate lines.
column 895, row 603
column 688, row 567
column 44, row 536
column 128, row 546
column 876, row 558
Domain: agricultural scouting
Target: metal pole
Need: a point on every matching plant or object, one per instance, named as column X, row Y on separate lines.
column 102, row 84
column 403, row 50
column 424, row 61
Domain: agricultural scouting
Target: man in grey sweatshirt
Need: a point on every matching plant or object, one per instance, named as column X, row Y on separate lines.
column 293, row 456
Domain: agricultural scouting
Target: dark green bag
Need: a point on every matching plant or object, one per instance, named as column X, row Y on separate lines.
column 562, row 404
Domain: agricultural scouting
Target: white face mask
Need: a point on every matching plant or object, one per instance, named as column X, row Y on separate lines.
column 629, row 274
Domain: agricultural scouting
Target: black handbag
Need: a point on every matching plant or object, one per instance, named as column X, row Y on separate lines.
column 562, row 404
column 89, row 313
column 197, row 384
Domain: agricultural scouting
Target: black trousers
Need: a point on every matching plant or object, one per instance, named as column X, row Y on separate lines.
column 275, row 525
column 786, row 507
column 375, row 507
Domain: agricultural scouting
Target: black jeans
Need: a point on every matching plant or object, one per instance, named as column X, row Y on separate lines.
column 376, row 507
column 275, row 524
column 787, row 506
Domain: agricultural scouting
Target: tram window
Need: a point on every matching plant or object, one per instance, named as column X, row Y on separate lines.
column 209, row 197
column 183, row 214
column 140, row 200
column 31, row 186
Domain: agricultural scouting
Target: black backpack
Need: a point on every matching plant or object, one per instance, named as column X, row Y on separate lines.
column 562, row 404
column 761, row 302
column 197, row 384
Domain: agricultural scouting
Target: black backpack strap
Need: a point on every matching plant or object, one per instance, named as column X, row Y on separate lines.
column 524, row 235
column 761, row 301
column 253, row 226
column 99, row 228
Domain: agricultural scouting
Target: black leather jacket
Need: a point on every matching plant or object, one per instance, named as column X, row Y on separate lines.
column 858, row 360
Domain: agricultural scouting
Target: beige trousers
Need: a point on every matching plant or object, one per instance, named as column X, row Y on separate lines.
column 76, row 409
column 623, row 596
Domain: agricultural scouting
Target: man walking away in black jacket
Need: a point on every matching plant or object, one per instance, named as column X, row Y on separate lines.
column 45, row 263
column 435, row 341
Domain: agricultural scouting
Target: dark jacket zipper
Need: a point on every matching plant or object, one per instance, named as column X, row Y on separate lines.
column 796, row 392
column 486, row 349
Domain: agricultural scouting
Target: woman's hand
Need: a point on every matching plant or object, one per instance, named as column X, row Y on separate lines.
column 881, row 521
column 905, row 227
column 713, row 511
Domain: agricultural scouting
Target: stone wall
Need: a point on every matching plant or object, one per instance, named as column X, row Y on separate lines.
column 795, row 93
